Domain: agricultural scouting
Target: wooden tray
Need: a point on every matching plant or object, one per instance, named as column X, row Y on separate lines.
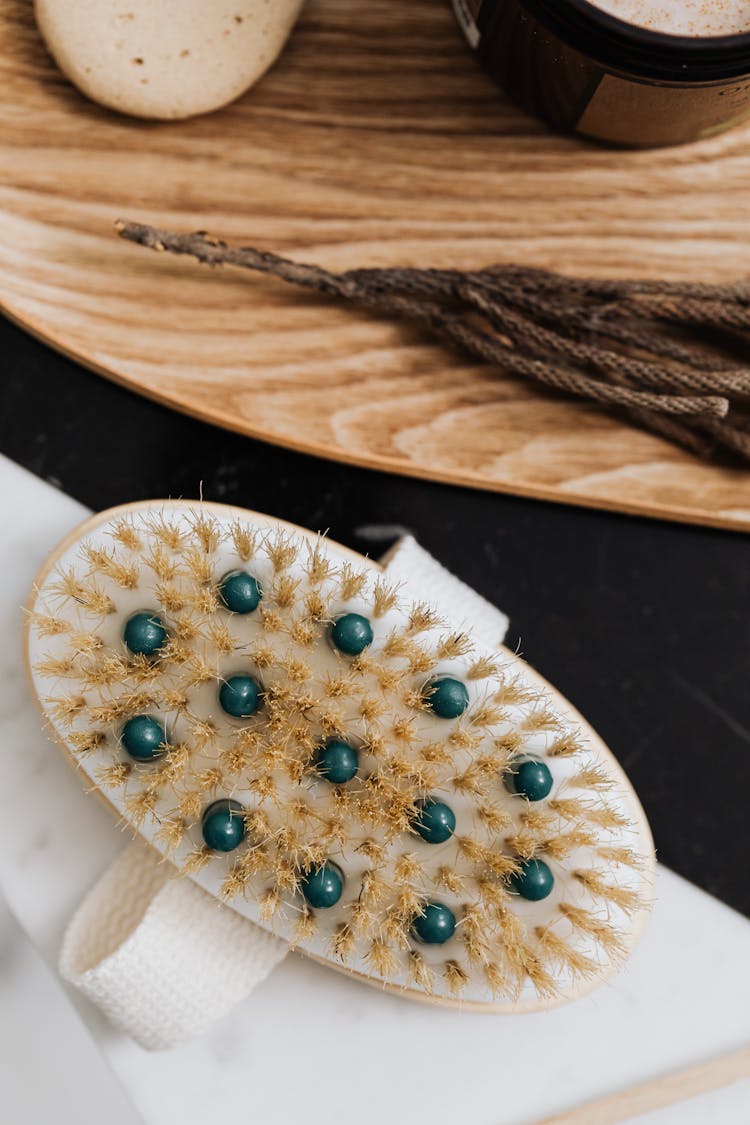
column 376, row 140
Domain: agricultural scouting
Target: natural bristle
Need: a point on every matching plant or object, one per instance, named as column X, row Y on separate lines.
column 293, row 753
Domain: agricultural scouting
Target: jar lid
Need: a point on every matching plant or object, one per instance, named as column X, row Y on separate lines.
column 628, row 48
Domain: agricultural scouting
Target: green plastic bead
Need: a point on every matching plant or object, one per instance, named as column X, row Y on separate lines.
column 530, row 778
column 144, row 633
column 351, row 634
column 239, row 592
column 337, row 762
column 436, row 925
column 144, row 738
column 448, row 698
column 534, row 881
column 240, row 696
column 324, row 886
column 223, row 825
column 435, row 821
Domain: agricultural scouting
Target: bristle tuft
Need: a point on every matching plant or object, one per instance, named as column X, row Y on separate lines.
column 454, row 646
column 385, row 598
column 382, row 959
column 563, row 954
column 482, row 669
column 420, row 972
column 108, row 566
column 598, row 886
column 455, row 977
column 601, row 931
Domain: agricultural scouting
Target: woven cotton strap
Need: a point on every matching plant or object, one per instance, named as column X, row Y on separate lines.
column 160, row 956
column 429, row 581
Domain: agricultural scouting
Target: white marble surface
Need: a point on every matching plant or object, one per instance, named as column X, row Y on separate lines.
column 684, row 997
column 45, row 1048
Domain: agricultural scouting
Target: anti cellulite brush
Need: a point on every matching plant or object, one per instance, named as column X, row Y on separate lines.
column 338, row 753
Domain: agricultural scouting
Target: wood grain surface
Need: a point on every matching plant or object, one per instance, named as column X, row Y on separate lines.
column 375, row 140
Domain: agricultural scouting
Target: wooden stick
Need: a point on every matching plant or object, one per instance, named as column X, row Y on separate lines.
column 659, row 1092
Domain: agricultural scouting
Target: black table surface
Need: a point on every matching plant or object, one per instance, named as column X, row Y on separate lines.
column 643, row 625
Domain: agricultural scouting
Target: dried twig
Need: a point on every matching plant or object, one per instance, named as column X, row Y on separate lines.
column 672, row 355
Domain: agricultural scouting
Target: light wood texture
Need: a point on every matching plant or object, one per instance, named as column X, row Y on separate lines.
column 376, row 140
column 661, row 1092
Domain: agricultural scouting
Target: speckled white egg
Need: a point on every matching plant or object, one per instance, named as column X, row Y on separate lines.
column 161, row 59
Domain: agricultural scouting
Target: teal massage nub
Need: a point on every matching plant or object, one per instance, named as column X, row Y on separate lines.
column 239, row 592
column 436, row 925
column 240, row 696
column 531, row 779
column 447, row 697
column 323, row 886
column 435, row 821
column 534, row 881
column 145, row 634
column 144, row 738
column 223, row 825
column 337, row 762
column 352, row 634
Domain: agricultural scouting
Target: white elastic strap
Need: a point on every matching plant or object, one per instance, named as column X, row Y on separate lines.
column 160, row 956
column 429, row 581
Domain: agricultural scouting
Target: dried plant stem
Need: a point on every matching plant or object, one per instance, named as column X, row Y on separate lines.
column 671, row 355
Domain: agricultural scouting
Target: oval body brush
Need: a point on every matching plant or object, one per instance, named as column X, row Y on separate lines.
column 334, row 754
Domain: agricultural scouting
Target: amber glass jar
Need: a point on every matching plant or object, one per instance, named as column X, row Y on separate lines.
column 584, row 70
